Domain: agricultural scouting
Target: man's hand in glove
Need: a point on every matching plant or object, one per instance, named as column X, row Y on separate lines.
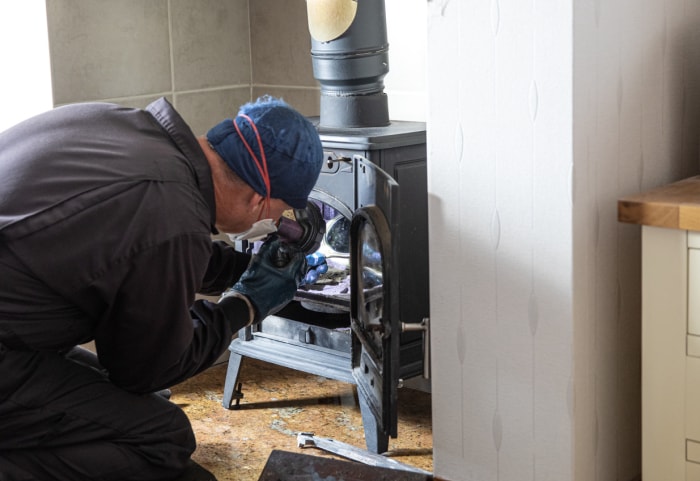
column 272, row 278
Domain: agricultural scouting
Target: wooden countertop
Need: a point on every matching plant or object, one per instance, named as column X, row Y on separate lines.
column 675, row 206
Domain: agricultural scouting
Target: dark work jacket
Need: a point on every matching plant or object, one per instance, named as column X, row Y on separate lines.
column 106, row 216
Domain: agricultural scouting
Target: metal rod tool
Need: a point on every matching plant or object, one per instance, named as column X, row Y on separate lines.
column 308, row 440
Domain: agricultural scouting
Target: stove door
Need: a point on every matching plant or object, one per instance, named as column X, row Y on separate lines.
column 374, row 300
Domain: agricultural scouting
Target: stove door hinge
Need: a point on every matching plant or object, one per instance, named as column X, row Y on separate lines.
column 423, row 326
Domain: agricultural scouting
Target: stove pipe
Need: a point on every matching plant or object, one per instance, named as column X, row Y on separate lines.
column 350, row 55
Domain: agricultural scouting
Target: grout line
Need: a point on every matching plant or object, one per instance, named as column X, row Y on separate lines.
column 158, row 94
column 212, row 89
column 172, row 55
column 290, row 87
column 250, row 53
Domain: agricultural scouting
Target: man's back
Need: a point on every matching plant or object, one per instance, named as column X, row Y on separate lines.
column 78, row 155
column 88, row 193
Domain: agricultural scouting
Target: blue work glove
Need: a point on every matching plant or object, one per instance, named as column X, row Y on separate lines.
column 271, row 279
column 316, row 265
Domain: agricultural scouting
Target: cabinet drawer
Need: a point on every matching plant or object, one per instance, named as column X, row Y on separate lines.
column 693, row 239
column 693, row 345
column 692, row 404
column 692, row 471
column 694, row 291
column 692, row 456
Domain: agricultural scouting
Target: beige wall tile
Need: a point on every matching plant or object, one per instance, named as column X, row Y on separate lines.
column 211, row 43
column 108, row 49
column 203, row 110
column 281, row 45
column 136, row 102
column 306, row 101
column 139, row 102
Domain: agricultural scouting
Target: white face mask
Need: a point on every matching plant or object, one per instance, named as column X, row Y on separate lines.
column 257, row 231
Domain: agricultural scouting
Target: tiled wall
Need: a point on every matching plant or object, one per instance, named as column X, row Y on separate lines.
column 197, row 54
column 209, row 56
column 281, row 53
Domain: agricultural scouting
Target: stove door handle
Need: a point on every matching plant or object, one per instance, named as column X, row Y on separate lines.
column 423, row 326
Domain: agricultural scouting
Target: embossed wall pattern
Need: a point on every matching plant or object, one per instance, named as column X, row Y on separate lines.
column 541, row 114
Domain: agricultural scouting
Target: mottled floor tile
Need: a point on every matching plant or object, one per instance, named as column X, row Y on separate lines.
column 279, row 403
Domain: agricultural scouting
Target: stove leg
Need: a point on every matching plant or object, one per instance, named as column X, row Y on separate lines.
column 232, row 388
column 377, row 441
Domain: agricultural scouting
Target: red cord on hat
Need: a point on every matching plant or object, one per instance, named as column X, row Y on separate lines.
column 262, row 166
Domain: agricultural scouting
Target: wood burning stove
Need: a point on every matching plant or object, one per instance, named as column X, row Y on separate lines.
column 367, row 325
column 373, row 192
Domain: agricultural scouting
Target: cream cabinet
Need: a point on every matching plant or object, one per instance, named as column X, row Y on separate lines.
column 670, row 354
column 670, row 219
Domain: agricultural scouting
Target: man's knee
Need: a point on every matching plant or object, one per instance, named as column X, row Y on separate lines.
column 175, row 441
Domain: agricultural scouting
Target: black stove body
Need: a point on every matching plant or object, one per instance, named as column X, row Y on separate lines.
column 368, row 327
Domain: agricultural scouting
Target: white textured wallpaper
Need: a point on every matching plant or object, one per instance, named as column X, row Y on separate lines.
column 636, row 126
column 541, row 114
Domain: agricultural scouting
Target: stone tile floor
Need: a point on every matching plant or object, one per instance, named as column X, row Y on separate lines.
column 279, row 403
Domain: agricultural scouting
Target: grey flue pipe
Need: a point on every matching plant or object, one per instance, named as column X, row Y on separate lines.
column 351, row 71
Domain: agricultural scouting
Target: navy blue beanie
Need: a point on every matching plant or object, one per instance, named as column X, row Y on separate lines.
column 292, row 148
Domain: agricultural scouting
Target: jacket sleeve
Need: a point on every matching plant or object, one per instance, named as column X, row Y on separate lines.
column 225, row 267
column 154, row 334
